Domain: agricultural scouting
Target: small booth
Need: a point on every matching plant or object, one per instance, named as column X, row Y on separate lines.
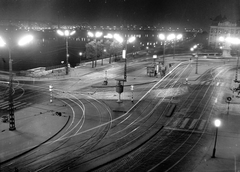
column 151, row 70
column 119, row 87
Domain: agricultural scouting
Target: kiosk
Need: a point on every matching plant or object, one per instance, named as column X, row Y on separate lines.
column 119, row 87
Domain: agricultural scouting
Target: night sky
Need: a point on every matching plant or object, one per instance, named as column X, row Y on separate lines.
column 174, row 13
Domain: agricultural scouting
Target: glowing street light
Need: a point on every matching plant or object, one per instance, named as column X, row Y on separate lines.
column 25, row 40
column 22, row 42
column 165, row 38
column 154, row 58
column 178, row 37
column 192, row 49
column 66, row 34
column 217, row 124
column 80, row 55
column 95, row 35
column 235, row 41
column 124, row 52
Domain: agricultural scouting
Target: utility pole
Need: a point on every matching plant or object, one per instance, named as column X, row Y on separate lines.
column 11, row 105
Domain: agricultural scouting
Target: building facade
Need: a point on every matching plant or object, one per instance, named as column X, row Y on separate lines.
column 222, row 29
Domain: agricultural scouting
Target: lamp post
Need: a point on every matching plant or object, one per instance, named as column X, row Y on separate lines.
column 217, row 124
column 165, row 38
column 178, row 37
column 95, row 35
column 124, row 52
column 192, row 49
column 228, row 41
column 80, row 56
column 22, row 42
column 66, row 34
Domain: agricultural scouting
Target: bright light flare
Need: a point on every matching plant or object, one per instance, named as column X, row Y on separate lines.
column 25, row 40
column 221, row 38
column 65, row 32
column 108, row 36
column 131, row 39
column 90, row 34
column 161, row 36
column 2, row 42
column 217, row 123
column 72, row 32
column 233, row 40
column 118, row 38
column 179, row 36
column 98, row 34
column 171, row 37
column 59, row 32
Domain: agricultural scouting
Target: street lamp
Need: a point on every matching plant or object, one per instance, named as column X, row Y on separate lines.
column 22, row 42
column 165, row 38
column 80, row 55
column 178, row 37
column 235, row 41
column 95, row 35
column 217, row 124
column 66, row 34
column 124, row 52
column 192, row 49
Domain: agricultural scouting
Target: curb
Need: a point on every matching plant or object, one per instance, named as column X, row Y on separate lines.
column 110, row 86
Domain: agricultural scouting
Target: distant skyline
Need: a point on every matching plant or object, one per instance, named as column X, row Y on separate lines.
column 170, row 13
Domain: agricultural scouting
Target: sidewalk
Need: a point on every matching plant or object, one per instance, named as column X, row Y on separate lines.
column 35, row 125
column 227, row 155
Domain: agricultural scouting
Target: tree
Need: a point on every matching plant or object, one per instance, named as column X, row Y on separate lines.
column 115, row 48
column 90, row 50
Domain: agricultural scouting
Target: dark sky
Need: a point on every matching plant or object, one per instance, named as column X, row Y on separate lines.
column 175, row 13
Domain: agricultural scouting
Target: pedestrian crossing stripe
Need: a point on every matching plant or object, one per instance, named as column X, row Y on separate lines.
column 4, row 103
column 21, row 106
column 175, row 123
column 6, row 106
column 181, row 123
column 202, row 124
column 192, row 125
column 16, row 105
column 184, row 123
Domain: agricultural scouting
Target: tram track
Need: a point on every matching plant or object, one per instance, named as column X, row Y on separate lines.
column 139, row 155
